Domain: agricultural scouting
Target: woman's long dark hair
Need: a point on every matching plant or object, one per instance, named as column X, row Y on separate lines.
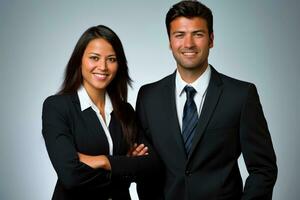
column 118, row 87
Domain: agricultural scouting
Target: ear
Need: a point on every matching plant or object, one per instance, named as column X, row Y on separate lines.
column 170, row 46
column 211, row 40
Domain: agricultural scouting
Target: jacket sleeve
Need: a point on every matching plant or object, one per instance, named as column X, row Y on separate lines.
column 56, row 130
column 257, row 150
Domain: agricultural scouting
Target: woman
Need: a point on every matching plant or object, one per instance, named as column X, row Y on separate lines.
column 90, row 129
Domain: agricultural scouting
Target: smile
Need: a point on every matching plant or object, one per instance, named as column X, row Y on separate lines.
column 189, row 53
column 100, row 76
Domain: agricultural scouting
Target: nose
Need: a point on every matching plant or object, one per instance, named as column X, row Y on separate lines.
column 188, row 41
column 102, row 64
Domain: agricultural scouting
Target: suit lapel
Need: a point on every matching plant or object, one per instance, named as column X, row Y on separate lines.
column 213, row 94
column 171, row 115
column 92, row 123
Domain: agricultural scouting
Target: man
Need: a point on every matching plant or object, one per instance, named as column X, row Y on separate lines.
column 200, row 121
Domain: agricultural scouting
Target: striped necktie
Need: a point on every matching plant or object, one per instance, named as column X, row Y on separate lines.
column 190, row 118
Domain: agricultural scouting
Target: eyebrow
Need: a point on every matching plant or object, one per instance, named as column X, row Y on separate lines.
column 200, row 30
column 94, row 53
column 195, row 31
column 175, row 32
column 97, row 54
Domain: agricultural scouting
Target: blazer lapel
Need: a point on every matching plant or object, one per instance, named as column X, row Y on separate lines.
column 171, row 112
column 92, row 123
column 213, row 94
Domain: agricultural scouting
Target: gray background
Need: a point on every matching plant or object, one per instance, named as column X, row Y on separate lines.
column 256, row 41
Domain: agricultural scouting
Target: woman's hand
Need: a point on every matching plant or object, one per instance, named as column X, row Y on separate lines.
column 101, row 161
column 138, row 150
column 95, row 162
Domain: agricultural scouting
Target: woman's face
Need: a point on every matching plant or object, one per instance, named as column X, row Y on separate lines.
column 99, row 65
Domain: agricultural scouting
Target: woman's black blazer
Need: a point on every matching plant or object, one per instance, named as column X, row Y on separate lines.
column 68, row 130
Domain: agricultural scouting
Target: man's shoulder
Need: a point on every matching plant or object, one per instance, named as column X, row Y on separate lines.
column 233, row 82
column 232, row 86
column 159, row 85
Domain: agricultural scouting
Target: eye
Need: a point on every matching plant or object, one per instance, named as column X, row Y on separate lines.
column 112, row 59
column 95, row 58
column 178, row 35
column 199, row 34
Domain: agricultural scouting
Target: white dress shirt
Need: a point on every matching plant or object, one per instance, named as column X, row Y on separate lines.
column 200, row 85
column 86, row 102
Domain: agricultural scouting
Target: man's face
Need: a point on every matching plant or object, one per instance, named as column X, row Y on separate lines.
column 190, row 42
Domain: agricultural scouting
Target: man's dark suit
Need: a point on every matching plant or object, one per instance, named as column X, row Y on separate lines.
column 68, row 130
column 231, row 122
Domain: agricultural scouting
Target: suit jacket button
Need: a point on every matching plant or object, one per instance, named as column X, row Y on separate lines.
column 188, row 173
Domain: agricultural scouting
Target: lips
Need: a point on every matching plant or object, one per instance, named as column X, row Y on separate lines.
column 100, row 76
column 189, row 53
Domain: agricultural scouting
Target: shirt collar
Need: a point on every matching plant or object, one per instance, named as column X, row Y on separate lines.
column 86, row 102
column 200, row 84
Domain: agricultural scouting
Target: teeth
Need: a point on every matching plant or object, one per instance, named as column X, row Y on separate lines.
column 101, row 75
column 189, row 53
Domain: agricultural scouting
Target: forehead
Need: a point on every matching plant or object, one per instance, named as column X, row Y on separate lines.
column 188, row 24
column 99, row 44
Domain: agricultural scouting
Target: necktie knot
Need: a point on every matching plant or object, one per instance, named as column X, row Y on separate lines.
column 190, row 92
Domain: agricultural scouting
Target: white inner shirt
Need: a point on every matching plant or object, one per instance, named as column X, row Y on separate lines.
column 86, row 102
column 200, row 85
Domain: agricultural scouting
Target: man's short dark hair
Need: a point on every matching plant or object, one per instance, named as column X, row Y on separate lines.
column 190, row 9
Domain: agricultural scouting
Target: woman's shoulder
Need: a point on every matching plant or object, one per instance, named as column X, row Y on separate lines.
column 60, row 101
column 57, row 98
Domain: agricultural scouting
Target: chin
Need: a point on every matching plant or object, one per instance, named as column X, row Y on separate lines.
column 100, row 86
column 191, row 67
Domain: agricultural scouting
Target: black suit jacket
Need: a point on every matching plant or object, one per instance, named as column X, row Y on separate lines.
column 231, row 122
column 68, row 130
